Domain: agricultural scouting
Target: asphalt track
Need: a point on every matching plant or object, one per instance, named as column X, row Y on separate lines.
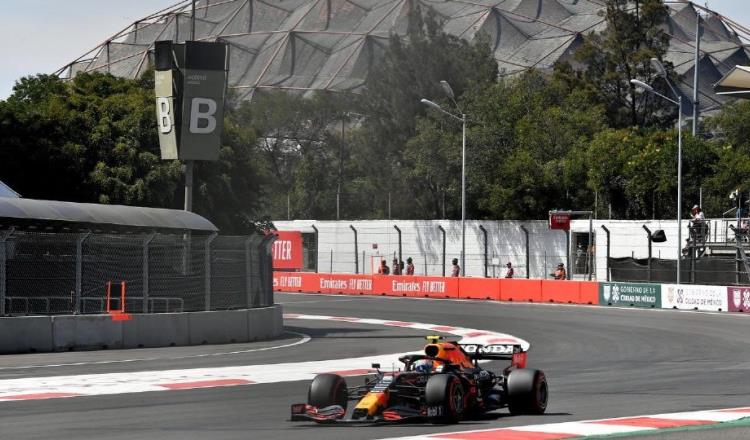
column 601, row 363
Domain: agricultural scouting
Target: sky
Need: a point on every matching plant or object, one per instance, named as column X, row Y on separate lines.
column 41, row 36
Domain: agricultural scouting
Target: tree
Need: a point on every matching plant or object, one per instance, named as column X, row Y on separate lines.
column 622, row 52
column 94, row 139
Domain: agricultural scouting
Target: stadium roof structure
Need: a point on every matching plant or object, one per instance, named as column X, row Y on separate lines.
column 306, row 45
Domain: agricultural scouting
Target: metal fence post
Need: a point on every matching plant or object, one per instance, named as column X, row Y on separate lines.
column 607, row 265
column 146, row 244
column 207, row 261
column 648, row 232
column 400, row 257
column 79, row 270
column 3, row 273
column 356, row 251
column 484, row 231
column 526, row 234
column 317, row 247
column 569, row 272
column 443, row 231
column 248, row 273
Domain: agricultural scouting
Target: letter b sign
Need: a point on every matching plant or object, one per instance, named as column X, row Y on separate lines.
column 202, row 115
column 164, row 113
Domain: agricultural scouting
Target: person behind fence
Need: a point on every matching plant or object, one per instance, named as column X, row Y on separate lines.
column 456, row 268
column 509, row 270
column 559, row 273
column 409, row 266
column 383, row 269
column 697, row 214
column 396, row 267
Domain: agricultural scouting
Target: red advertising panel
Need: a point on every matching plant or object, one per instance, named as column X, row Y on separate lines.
column 559, row 220
column 435, row 287
column 287, row 250
column 738, row 298
column 295, row 282
column 345, row 284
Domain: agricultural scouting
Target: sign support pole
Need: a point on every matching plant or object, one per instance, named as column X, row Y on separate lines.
column 189, row 185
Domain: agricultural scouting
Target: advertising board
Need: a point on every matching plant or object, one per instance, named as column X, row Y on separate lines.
column 630, row 294
column 738, row 298
column 287, row 250
column 692, row 297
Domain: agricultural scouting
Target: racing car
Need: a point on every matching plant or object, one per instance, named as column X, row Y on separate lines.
column 445, row 384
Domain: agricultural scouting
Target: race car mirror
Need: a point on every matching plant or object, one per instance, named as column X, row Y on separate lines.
column 376, row 366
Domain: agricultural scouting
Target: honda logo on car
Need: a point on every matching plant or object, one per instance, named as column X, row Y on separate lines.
column 488, row 349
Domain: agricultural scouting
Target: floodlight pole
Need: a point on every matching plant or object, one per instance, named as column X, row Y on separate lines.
column 463, row 197
column 678, row 103
column 696, row 71
column 449, row 92
column 679, row 185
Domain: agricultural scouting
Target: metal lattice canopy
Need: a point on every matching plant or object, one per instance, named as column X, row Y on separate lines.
column 306, row 45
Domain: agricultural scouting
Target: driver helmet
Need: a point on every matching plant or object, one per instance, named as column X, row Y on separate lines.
column 423, row 365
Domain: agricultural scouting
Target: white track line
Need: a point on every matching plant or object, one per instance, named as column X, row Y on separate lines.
column 143, row 381
column 304, row 338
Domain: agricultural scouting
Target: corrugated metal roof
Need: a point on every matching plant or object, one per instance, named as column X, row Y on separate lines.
column 30, row 210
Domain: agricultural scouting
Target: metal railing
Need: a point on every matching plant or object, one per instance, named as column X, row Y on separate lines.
column 67, row 273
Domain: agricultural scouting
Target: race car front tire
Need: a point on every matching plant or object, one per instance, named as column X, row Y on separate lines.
column 528, row 392
column 447, row 392
column 326, row 390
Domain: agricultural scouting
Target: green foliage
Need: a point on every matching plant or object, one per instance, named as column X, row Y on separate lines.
column 94, row 139
column 535, row 142
column 634, row 34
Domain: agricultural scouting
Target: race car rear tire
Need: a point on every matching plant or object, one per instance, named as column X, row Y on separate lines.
column 446, row 391
column 326, row 390
column 528, row 392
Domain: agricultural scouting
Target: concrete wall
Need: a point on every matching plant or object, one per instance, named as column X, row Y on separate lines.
column 422, row 240
column 94, row 332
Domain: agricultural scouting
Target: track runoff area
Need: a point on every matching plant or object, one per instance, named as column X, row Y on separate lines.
column 611, row 372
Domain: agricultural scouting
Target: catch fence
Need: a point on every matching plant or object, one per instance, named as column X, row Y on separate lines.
column 67, row 273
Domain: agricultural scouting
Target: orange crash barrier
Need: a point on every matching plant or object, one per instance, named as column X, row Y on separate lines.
column 479, row 288
column 519, row 290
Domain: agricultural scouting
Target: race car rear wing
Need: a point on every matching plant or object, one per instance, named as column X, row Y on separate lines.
column 511, row 352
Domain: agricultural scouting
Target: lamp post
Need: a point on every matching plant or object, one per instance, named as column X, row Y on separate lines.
column 678, row 103
column 462, row 118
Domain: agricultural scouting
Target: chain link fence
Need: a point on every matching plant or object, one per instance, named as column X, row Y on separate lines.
column 67, row 273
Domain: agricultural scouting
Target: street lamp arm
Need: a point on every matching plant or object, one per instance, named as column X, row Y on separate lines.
column 648, row 88
column 429, row 103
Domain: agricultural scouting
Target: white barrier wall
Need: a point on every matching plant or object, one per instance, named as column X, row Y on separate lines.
column 422, row 241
